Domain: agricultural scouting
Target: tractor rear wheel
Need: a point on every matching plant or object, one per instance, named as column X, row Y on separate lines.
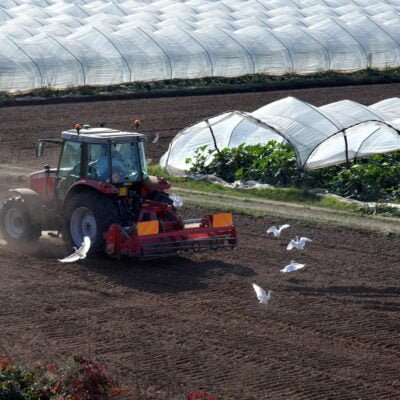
column 88, row 214
column 16, row 223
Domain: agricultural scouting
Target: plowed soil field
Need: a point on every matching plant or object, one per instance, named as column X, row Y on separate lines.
column 170, row 326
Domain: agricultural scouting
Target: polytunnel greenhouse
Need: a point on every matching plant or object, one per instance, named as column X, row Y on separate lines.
column 69, row 43
column 320, row 136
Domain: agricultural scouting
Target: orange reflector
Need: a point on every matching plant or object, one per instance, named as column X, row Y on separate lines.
column 148, row 228
column 222, row 220
column 123, row 191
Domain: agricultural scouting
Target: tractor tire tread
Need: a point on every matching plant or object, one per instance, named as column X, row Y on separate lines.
column 104, row 211
column 32, row 232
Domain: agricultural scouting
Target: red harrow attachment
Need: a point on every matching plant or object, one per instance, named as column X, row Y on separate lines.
column 167, row 236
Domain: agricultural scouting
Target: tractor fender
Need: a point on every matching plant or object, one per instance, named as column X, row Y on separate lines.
column 90, row 184
column 32, row 202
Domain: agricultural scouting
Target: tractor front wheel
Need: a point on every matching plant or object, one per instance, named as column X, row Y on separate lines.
column 16, row 223
column 89, row 214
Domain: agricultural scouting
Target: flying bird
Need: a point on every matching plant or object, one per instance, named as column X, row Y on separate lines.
column 155, row 140
column 298, row 243
column 277, row 231
column 293, row 266
column 80, row 253
column 261, row 295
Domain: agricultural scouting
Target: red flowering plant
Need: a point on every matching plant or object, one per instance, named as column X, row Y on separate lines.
column 85, row 379
column 201, row 394
column 81, row 379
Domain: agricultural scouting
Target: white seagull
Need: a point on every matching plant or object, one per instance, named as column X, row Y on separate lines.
column 298, row 243
column 277, row 231
column 155, row 140
column 261, row 295
column 80, row 253
column 293, row 266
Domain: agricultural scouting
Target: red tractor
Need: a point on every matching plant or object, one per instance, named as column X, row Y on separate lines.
column 101, row 189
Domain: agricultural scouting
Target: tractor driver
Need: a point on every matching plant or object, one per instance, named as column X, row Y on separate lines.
column 103, row 165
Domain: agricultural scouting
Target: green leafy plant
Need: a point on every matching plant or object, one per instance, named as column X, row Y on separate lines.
column 273, row 163
column 199, row 161
column 372, row 179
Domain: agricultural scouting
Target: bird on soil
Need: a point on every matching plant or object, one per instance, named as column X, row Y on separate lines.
column 80, row 253
column 277, row 231
column 298, row 243
column 293, row 266
column 262, row 296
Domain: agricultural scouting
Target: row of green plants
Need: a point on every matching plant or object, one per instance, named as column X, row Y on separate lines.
column 215, row 84
column 376, row 178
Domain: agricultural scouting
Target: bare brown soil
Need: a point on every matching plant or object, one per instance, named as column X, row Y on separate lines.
column 331, row 330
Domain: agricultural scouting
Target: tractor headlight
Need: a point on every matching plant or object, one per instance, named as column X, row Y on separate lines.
column 178, row 200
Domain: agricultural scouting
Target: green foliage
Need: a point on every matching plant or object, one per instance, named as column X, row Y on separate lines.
column 273, row 163
column 215, row 85
column 199, row 162
column 374, row 179
column 80, row 379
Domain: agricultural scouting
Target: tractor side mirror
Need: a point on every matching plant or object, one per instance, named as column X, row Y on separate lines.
column 39, row 149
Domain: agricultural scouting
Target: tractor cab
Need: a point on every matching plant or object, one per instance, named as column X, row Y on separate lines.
column 92, row 155
column 103, row 154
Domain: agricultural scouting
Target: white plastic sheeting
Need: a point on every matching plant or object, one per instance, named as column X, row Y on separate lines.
column 320, row 136
column 66, row 43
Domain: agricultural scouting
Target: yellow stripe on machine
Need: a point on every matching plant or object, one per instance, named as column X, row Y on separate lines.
column 123, row 191
column 222, row 220
column 148, row 228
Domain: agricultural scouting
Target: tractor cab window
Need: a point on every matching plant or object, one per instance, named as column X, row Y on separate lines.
column 104, row 163
column 69, row 167
column 70, row 161
column 115, row 162
column 126, row 162
column 143, row 160
column 98, row 156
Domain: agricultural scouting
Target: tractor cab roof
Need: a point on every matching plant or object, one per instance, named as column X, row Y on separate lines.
column 102, row 135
